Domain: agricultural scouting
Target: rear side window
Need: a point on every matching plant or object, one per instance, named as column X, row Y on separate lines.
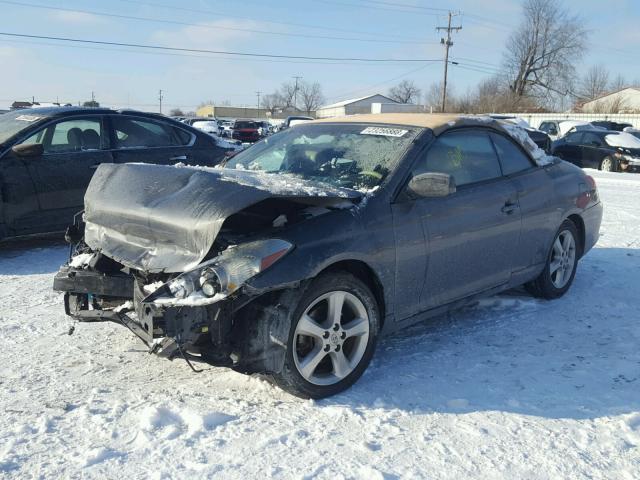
column 591, row 139
column 468, row 156
column 573, row 138
column 512, row 158
column 133, row 132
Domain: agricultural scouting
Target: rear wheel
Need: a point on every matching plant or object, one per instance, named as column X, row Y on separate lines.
column 332, row 337
column 560, row 269
column 609, row 164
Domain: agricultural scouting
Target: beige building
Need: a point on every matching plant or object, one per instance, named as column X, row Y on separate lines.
column 626, row 100
column 246, row 112
column 352, row 106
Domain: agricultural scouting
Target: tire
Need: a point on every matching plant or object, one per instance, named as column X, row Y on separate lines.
column 560, row 269
column 609, row 164
column 317, row 346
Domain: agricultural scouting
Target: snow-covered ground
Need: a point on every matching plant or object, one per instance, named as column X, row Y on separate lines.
column 514, row 388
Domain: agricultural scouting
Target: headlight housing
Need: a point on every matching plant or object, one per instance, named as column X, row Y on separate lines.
column 218, row 278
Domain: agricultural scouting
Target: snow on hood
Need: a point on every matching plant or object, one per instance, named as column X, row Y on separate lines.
column 160, row 218
column 623, row 140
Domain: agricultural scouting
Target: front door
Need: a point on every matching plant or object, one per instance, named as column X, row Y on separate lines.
column 73, row 149
column 471, row 235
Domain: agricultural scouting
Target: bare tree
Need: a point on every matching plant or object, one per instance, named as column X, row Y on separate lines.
column 618, row 83
column 311, row 96
column 542, row 53
column 272, row 102
column 594, row 84
column 405, row 92
column 176, row 112
column 433, row 96
column 288, row 94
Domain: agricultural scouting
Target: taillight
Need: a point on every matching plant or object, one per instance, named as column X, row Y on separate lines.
column 592, row 183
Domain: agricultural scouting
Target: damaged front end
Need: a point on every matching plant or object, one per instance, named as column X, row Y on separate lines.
column 170, row 260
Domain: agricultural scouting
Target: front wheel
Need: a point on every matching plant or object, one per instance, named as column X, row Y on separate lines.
column 560, row 269
column 608, row 164
column 332, row 337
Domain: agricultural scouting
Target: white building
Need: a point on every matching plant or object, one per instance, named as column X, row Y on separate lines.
column 352, row 106
column 626, row 100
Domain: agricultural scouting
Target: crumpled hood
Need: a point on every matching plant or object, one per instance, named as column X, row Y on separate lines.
column 159, row 218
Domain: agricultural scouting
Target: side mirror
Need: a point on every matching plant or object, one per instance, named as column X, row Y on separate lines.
column 28, row 150
column 431, row 184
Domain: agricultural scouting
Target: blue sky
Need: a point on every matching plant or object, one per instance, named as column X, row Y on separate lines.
column 123, row 77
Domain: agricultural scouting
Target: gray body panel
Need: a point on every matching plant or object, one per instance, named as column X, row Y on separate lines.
column 427, row 255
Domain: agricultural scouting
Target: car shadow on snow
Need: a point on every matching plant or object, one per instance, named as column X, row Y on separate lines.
column 32, row 256
column 575, row 357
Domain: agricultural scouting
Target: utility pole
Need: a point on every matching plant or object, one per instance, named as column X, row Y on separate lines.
column 447, row 44
column 160, row 97
column 295, row 93
column 258, row 94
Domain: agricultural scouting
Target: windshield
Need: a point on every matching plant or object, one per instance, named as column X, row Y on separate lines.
column 11, row 123
column 346, row 155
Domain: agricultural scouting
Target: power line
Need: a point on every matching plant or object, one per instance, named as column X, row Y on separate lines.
column 289, row 24
column 196, row 25
column 218, row 52
column 405, row 5
column 374, row 7
column 384, row 82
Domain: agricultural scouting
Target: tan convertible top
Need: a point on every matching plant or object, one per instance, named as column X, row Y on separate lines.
column 438, row 122
column 441, row 122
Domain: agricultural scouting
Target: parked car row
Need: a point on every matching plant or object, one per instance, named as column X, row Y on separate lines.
column 48, row 156
column 607, row 150
column 243, row 130
column 557, row 129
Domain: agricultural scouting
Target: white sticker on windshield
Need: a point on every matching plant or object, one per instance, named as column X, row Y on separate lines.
column 27, row 118
column 384, row 131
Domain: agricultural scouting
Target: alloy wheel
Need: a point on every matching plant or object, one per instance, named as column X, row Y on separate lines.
column 331, row 338
column 563, row 259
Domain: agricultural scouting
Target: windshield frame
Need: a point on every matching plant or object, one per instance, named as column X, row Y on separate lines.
column 414, row 134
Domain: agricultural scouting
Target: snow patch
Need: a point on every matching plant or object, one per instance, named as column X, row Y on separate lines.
column 622, row 140
column 81, row 260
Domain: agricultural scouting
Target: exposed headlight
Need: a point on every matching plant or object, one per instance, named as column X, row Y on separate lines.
column 216, row 279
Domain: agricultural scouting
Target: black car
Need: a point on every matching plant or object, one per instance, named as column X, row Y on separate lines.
column 609, row 125
column 48, row 156
column 293, row 259
column 610, row 151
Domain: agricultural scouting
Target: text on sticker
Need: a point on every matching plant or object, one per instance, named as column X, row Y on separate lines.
column 27, row 118
column 384, row 131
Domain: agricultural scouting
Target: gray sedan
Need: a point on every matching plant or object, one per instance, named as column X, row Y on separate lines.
column 293, row 259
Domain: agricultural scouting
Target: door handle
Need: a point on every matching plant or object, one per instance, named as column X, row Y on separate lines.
column 509, row 208
column 94, row 166
column 178, row 158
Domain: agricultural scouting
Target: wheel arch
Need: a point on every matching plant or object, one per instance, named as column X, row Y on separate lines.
column 579, row 224
column 367, row 275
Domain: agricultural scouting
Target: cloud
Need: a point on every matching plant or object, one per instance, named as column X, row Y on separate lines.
column 209, row 35
column 78, row 18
